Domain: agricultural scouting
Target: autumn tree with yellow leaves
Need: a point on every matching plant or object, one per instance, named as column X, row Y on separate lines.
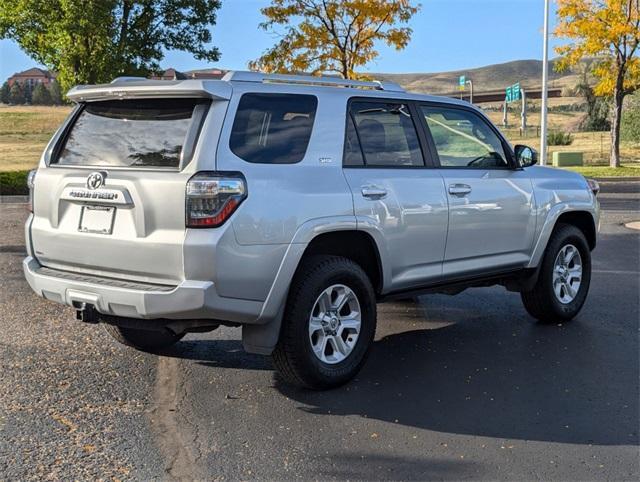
column 609, row 31
column 332, row 36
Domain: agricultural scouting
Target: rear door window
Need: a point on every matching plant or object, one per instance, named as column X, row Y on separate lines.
column 273, row 128
column 352, row 150
column 387, row 134
column 132, row 133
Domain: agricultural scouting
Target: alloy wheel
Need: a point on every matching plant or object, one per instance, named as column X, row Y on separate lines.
column 334, row 324
column 567, row 274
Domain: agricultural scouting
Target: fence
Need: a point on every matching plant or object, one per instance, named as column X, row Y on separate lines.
column 595, row 146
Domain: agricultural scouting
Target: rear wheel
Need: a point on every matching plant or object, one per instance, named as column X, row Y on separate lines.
column 328, row 325
column 145, row 340
column 564, row 278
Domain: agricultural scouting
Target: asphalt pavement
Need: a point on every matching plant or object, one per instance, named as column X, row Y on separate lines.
column 456, row 387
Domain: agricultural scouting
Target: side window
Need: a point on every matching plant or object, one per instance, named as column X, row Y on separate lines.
column 273, row 128
column 387, row 134
column 352, row 151
column 464, row 139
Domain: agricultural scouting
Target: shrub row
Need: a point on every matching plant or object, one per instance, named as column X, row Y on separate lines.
column 13, row 183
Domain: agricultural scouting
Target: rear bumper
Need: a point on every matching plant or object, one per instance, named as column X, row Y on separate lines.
column 188, row 300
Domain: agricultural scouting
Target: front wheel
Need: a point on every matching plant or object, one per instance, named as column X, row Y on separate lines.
column 328, row 325
column 564, row 277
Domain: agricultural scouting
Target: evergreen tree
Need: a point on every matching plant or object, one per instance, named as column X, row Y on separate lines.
column 55, row 93
column 4, row 93
column 16, row 94
column 40, row 95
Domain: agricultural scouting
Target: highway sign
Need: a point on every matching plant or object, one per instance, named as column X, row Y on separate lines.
column 515, row 89
column 462, row 81
column 513, row 93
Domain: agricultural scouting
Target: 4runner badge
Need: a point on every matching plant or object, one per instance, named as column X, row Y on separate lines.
column 95, row 180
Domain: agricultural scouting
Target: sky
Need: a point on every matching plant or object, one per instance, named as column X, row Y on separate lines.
column 447, row 35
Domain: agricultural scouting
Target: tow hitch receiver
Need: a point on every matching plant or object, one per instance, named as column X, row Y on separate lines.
column 86, row 313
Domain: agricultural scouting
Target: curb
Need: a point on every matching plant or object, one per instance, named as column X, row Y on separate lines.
column 617, row 179
column 14, row 199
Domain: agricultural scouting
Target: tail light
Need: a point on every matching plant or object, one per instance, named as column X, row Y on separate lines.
column 212, row 197
column 594, row 186
column 31, row 182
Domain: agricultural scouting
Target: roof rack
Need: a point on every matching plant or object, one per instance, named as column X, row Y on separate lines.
column 244, row 76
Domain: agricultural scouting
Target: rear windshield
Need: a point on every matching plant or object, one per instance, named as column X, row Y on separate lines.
column 131, row 133
column 273, row 128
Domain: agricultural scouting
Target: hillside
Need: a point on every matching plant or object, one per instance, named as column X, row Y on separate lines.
column 488, row 78
column 485, row 79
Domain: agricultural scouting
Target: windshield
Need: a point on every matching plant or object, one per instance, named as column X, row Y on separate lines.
column 130, row 133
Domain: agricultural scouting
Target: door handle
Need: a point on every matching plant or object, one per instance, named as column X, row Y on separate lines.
column 459, row 189
column 373, row 192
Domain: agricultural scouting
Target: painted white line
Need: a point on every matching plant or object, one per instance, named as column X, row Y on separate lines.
column 610, row 271
column 633, row 225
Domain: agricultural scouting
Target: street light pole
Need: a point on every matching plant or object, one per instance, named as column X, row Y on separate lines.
column 470, row 82
column 545, row 78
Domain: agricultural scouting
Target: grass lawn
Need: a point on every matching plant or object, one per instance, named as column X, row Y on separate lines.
column 24, row 133
column 625, row 170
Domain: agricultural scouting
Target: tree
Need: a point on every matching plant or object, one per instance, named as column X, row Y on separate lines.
column 40, row 95
column 93, row 41
column 16, row 94
column 335, row 36
column 55, row 93
column 630, row 126
column 608, row 30
column 4, row 93
column 597, row 118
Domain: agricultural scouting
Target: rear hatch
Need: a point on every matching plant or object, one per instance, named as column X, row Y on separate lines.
column 109, row 197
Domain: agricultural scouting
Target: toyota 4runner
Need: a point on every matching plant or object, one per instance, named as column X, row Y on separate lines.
column 290, row 206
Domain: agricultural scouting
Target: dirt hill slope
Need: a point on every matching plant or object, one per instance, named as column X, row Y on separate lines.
column 488, row 78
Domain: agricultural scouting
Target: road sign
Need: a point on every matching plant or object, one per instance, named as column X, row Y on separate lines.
column 513, row 93
column 462, row 82
column 515, row 89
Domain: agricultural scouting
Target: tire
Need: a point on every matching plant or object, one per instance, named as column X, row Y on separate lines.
column 144, row 340
column 294, row 356
column 542, row 302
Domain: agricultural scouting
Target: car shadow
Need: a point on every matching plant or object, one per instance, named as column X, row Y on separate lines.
column 493, row 375
column 360, row 466
column 219, row 354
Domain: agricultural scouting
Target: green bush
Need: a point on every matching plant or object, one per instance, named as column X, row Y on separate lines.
column 13, row 183
column 559, row 138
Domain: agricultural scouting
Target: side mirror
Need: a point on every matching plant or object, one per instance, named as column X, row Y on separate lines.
column 526, row 156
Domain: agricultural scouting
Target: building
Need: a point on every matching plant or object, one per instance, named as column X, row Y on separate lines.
column 32, row 77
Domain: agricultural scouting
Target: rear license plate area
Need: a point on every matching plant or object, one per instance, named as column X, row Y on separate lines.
column 97, row 219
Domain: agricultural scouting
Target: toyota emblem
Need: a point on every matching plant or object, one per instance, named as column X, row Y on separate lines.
column 95, row 180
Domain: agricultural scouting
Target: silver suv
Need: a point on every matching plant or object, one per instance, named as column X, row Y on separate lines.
column 290, row 206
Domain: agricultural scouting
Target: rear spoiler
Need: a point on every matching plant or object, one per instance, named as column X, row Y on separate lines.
column 129, row 88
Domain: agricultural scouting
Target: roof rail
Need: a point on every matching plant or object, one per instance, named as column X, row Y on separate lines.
column 244, row 76
column 117, row 80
